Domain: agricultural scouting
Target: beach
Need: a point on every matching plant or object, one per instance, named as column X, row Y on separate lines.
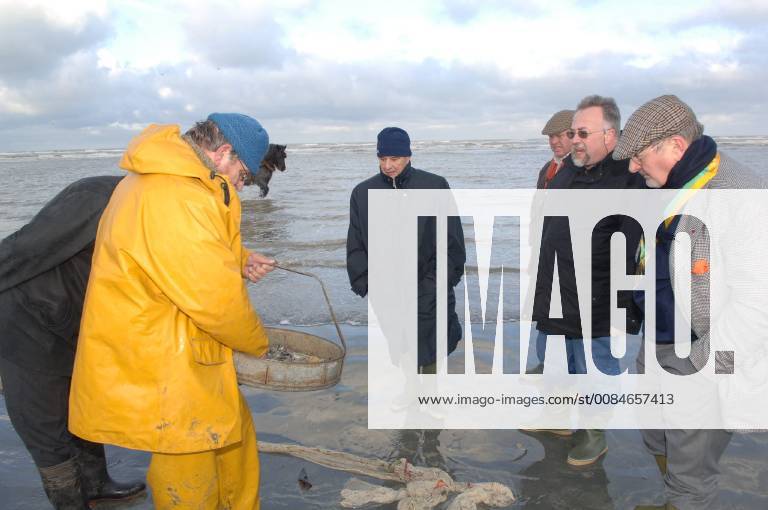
column 532, row 465
column 303, row 224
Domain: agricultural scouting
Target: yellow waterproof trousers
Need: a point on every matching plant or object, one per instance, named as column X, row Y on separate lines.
column 223, row 479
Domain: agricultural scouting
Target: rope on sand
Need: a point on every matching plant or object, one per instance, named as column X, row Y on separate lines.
column 425, row 487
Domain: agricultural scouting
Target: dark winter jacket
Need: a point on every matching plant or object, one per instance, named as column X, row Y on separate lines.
column 357, row 255
column 607, row 174
column 44, row 270
column 541, row 180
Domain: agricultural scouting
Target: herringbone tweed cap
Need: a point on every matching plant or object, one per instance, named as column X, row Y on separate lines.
column 657, row 119
column 558, row 123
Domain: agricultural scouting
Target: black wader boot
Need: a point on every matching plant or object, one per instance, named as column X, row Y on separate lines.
column 97, row 484
column 62, row 486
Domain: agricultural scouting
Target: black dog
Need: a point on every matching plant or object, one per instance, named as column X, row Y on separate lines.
column 273, row 160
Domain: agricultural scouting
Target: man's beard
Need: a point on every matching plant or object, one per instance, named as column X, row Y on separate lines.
column 580, row 162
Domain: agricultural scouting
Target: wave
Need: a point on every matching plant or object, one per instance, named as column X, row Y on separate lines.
column 742, row 141
column 61, row 154
column 325, row 244
column 452, row 146
column 312, row 265
column 422, row 146
column 492, row 270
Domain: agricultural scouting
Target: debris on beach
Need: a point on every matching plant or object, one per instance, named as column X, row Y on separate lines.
column 425, row 487
column 282, row 353
column 304, row 483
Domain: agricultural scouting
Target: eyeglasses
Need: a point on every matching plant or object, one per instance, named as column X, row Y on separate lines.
column 640, row 156
column 583, row 133
column 243, row 171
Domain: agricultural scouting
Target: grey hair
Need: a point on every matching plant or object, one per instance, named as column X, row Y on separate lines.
column 206, row 134
column 692, row 131
column 611, row 112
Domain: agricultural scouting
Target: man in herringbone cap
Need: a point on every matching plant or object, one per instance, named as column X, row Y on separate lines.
column 666, row 144
column 556, row 129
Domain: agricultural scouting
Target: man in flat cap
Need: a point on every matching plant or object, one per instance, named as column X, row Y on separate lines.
column 556, row 129
column 594, row 131
column 667, row 147
column 393, row 149
column 166, row 306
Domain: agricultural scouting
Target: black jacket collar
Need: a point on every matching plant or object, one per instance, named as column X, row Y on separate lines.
column 400, row 180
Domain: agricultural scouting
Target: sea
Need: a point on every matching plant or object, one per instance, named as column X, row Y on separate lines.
column 303, row 221
column 303, row 224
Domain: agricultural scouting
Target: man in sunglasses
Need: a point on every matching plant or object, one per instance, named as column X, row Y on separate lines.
column 667, row 147
column 594, row 132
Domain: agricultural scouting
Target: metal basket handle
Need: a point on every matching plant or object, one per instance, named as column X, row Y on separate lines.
column 327, row 301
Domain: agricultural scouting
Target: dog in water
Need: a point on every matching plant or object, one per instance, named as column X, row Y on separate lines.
column 273, row 160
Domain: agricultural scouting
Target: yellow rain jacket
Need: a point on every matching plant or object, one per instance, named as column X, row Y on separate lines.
column 166, row 304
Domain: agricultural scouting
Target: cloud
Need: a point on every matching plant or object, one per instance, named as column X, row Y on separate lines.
column 237, row 38
column 744, row 15
column 33, row 44
column 465, row 11
column 83, row 88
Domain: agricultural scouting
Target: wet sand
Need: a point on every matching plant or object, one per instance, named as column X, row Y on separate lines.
column 533, row 465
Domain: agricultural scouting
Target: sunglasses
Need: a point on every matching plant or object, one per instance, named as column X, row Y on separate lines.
column 583, row 133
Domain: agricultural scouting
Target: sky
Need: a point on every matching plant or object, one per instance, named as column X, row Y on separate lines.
column 92, row 74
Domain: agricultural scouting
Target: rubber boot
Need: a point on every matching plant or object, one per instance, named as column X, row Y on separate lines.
column 591, row 446
column 428, row 369
column 661, row 461
column 557, row 432
column 667, row 506
column 538, row 369
column 62, row 486
column 97, row 484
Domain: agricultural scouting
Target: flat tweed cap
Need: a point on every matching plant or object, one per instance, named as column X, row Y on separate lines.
column 655, row 120
column 558, row 123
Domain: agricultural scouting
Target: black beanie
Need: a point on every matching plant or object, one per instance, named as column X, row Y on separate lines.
column 393, row 141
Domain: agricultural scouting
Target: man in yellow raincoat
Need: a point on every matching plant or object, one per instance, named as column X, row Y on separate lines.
column 165, row 307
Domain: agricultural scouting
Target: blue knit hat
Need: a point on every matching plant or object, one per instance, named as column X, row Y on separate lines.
column 246, row 135
column 393, row 141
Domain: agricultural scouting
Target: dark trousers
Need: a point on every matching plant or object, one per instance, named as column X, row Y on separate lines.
column 38, row 406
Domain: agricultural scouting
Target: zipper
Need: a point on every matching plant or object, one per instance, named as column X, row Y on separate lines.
column 225, row 189
column 224, row 186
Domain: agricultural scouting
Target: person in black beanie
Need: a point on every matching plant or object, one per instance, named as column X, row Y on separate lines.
column 395, row 171
column 667, row 147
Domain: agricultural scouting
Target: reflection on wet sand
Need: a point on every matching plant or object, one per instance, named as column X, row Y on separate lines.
column 551, row 484
column 420, row 448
